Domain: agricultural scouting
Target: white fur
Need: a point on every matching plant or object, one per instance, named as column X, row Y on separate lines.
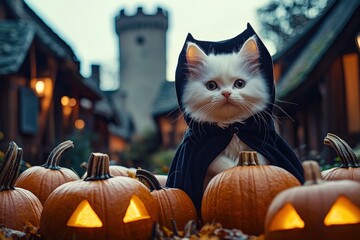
column 204, row 105
column 211, row 106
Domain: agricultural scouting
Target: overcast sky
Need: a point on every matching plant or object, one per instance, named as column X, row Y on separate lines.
column 88, row 26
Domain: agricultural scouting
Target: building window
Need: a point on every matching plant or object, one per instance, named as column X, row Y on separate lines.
column 277, row 72
column 352, row 91
column 140, row 40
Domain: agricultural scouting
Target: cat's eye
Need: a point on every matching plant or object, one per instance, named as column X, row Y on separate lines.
column 239, row 83
column 211, row 85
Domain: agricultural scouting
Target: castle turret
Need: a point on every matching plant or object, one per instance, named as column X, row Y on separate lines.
column 142, row 46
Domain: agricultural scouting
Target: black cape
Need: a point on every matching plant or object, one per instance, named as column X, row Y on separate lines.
column 203, row 142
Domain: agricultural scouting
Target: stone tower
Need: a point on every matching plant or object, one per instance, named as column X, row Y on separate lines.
column 142, row 46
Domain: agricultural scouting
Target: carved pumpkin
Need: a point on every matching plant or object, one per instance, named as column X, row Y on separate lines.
column 319, row 210
column 42, row 180
column 17, row 206
column 350, row 168
column 173, row 204
column 99, row 207
column 239, row 197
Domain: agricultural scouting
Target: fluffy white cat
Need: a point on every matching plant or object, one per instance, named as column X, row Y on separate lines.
column 223, row 89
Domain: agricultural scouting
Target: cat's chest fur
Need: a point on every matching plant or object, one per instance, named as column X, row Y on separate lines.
column 236, row 146
column 229, row 158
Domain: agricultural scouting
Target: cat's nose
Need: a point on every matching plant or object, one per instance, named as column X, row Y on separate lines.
column 226, row 94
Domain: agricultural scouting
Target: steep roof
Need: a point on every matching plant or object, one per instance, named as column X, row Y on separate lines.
column 324, row 36
column 29, row 26
column 165, row 100
column 43, row 32
column 15, row 40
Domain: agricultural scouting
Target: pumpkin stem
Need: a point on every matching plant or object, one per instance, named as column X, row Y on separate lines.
column 312, row 172
column 98, row 167
column 149, row 179
column 343, row 150
column 190, row 229
column 53, row 159
column 248, row 158
column 156, row 232
column 10, row 167
column 175, row 231
column 84, row 165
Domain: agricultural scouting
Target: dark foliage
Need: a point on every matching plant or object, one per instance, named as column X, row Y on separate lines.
column 281, row 20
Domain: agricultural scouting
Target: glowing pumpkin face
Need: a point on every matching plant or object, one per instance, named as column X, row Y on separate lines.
column 99, row 207
column 319, row 210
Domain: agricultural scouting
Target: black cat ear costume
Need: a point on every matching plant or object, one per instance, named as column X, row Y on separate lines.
column 203, row 142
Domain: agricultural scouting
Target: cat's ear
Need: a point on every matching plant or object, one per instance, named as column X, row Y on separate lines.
column 195, row 57
column 250, row 51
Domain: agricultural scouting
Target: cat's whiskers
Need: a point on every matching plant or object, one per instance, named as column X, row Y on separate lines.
column 282, row 110
column 202, row 111
column 267, row 110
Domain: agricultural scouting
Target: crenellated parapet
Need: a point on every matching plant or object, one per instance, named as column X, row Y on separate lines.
column 141, row 20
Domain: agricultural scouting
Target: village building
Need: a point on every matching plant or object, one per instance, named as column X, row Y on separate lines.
column 43, row 97
column 318, row 83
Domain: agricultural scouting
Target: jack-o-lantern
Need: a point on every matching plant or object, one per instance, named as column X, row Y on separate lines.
column 99, row 207
column 319, row 210
column 239, row 197
column 350, row 168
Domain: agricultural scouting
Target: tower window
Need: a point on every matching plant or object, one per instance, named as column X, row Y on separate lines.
column 140, row 40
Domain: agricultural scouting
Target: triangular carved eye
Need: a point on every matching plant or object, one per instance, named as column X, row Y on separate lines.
column 84, row 216
column 136, row 210
column 286, row 218
column 343, row 212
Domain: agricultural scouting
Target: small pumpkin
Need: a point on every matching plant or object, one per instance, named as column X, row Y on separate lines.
column 350, row 168
column 99, row 207
column 318, row 210
column 18, row 206
column 239, row 197
column 42, row 180
column 173, row 204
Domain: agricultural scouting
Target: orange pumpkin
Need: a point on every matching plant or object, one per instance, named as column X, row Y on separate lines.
column 99, row 207
column 350, row 168
column 17, row 206
column 319, row 210
column 174, row 204
column 42, row 180
column 239, row 197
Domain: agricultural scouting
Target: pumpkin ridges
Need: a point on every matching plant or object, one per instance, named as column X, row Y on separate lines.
column 42, row 180
column 18, row 205
column 239, row 197
column 312, row 203
column 109, row 197
column 97, row 190
column 174, row 205
column 13, row 218
column 312, row 173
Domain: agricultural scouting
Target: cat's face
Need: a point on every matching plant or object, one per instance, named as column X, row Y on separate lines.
column 224, row 88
